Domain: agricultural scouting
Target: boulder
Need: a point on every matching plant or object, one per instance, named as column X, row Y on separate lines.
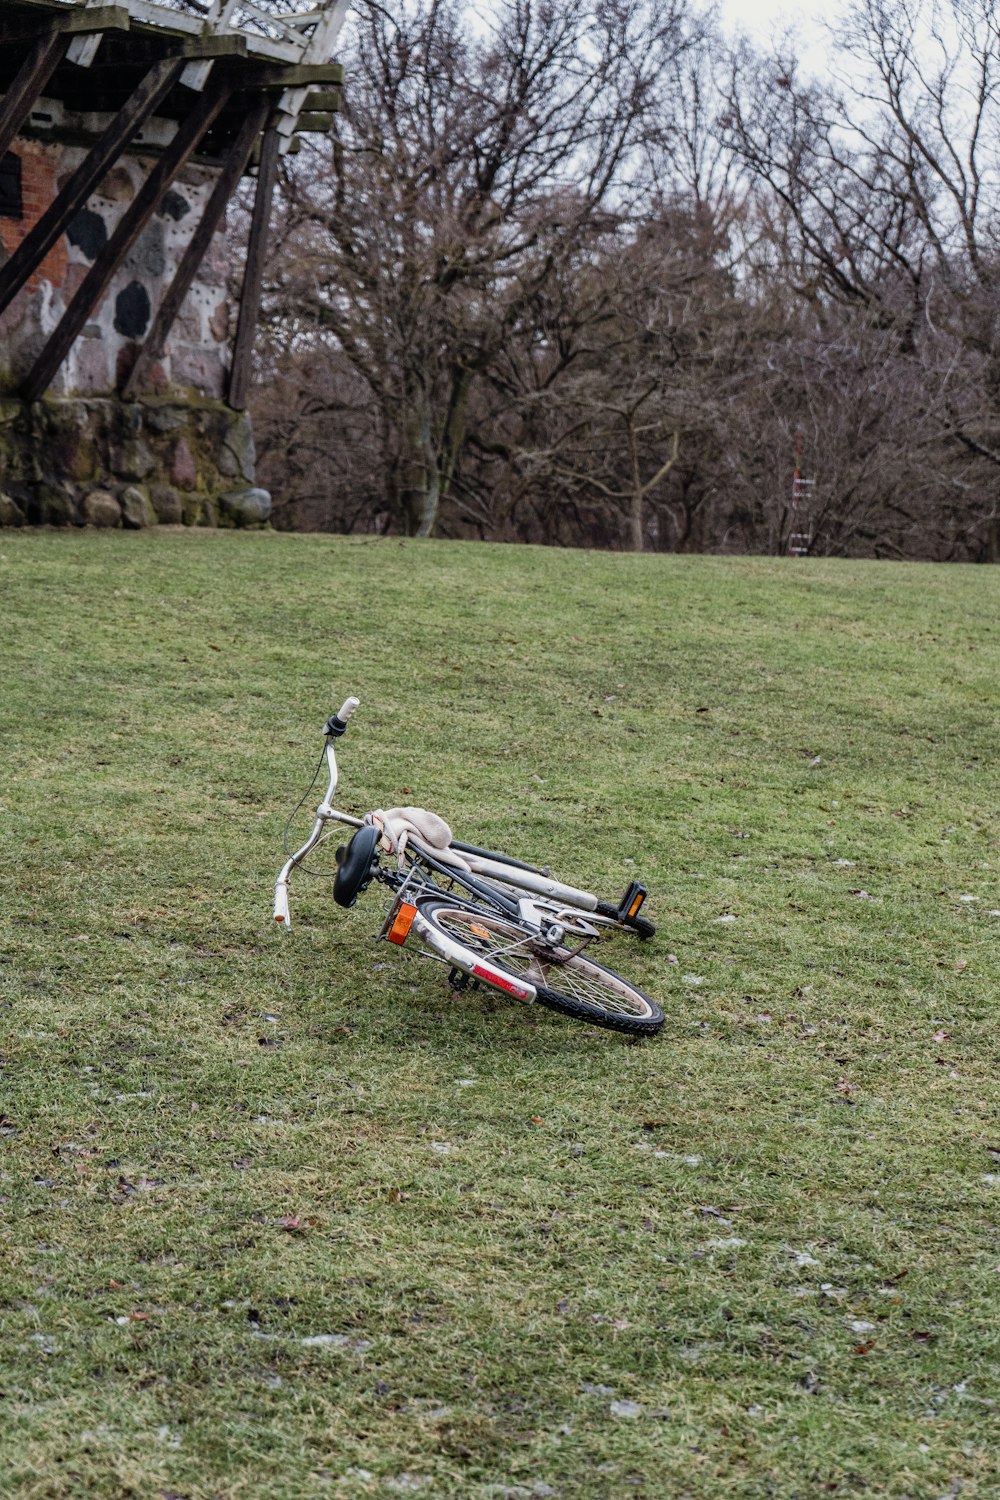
column 183, row 470
column 11, row 513
column 165, row 417
column 238, row 456
column 137, row 508
column 100, row 508
column 133, row 459
column 167, row 504
column 246, row 507
column 193, row 510
column 53, row 505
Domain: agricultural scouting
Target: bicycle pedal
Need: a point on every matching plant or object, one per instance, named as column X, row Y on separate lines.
column 631, row 901
column 458, row 979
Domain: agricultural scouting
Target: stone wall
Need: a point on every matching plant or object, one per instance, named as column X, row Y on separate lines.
column 82, row 455
column 103, row 462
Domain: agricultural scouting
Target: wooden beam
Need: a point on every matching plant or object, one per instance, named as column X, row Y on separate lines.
column 140, row 49
column 126, row 232
column 253, row 278
column 314, row 123
column 78, row 21
column 157, row 20
column 295, row 76
column 215, row 209
column 39, row 241
column 31, row 77
column 325, row 99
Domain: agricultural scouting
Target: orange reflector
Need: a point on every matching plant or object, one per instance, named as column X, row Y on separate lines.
column 637, row 903
column 401, row 924
column 480, row 932
column 278, row 917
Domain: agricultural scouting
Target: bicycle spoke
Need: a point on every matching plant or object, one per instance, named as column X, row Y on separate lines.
column 558, row 970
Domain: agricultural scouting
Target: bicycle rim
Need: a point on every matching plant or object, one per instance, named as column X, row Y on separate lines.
column 569, row 982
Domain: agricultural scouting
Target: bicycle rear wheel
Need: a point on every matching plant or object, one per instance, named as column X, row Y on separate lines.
column 565, row 981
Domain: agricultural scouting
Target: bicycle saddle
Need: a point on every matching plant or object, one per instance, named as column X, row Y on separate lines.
column 355, row 866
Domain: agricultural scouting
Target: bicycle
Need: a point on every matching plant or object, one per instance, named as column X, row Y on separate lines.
column 492, row 919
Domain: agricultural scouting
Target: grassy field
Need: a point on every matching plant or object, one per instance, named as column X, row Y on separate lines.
column 284, row 1218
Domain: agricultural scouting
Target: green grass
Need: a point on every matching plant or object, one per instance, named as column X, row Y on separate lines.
column 773, row 1230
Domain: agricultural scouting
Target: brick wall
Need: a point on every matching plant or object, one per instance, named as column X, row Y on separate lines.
column 38, row 187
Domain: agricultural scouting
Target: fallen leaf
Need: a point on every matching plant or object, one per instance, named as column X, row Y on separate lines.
column 941, row 1036
column 865, row 1348
column 537, row 1120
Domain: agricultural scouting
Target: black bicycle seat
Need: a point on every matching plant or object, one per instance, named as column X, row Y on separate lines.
column 355, row 866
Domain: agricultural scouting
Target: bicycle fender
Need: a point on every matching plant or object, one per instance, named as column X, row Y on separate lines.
column 459, row 957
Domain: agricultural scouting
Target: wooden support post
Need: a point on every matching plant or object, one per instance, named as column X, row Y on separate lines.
column 232, row 170
column 127, row 231
column 31, row 77
column 267, row 174
column 33, row 249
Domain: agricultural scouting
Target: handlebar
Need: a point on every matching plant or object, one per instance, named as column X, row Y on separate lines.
column 335, row 726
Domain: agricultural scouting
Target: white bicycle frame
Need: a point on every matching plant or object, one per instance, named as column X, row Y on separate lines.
column 555, row 896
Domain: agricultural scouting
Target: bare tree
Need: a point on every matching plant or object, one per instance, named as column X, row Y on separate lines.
column 463, row 165
column 881, row 204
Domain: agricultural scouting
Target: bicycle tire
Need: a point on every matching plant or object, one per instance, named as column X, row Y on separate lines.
column 568, row 982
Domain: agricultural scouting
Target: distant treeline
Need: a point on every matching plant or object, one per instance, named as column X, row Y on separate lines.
column 582, row 271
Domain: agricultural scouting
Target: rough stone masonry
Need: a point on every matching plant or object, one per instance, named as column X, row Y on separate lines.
column 82, row 455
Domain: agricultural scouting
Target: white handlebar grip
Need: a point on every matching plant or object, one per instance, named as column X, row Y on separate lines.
column 350, row 705
column 281, row 913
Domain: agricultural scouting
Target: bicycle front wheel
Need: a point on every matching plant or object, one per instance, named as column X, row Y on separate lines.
column 565, row 981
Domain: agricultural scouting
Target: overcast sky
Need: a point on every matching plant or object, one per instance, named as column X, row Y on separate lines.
column 761, row 19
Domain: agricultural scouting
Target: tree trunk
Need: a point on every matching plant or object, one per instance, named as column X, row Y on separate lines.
column 454, row 425
column 432, row 479
column 635, row 536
